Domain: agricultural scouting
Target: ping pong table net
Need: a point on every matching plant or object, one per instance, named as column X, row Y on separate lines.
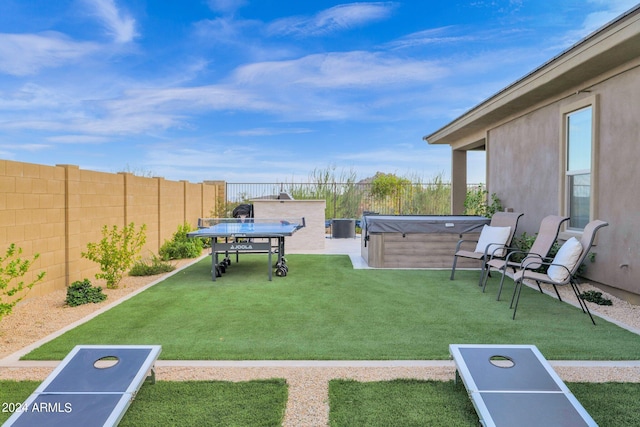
column 211, row 222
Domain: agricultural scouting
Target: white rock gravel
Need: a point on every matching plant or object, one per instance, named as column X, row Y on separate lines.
column 307, row 405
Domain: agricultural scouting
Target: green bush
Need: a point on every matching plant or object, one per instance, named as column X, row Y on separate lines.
column 81, row 292
column 149, row 267
column 180, row 246
column 116, row 252
column 12, row 268
column 477, row 203
column 595, row 297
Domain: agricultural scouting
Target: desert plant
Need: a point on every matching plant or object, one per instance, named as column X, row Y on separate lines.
column 595, row 297
column 116, row 252
column 477, row 203
column 152, row 266
column 82, row 292
column 12, row 268
column 180, row 246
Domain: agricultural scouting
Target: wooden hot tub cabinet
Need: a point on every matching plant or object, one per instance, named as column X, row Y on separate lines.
column 417, row 241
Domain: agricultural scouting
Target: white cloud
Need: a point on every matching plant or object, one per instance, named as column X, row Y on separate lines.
column 184, row 99
column 340, row 69
column 30, row 97
column 270, row 131
column 27, row 54
column 433, row 36
column 118, row 24
column 607, row 10
column 226, row 6
column 77, row 139
column 227, row 30
column 337, row 18
column 26, row 147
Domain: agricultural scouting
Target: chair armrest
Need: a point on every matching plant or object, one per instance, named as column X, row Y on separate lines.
column 548, row 264
column 510, row 250
column 530, row 257
column 461, row 241
column 499, row 247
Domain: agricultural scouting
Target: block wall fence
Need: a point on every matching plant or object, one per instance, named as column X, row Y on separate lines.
column 55, row 211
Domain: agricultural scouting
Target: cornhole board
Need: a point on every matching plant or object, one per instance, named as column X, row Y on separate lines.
column 92, row 386
column 514, row 385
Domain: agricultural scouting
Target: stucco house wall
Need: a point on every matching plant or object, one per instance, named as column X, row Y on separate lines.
column 522, row 129
column 523, row 169
column 524, row 172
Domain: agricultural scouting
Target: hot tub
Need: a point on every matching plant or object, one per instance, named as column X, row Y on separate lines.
column 417, row 241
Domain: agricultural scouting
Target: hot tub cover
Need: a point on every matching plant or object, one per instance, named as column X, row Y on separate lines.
column 425, row 224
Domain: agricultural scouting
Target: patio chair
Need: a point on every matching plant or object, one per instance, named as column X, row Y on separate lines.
column 563, row 269
column 546, row 237
column 494, row 240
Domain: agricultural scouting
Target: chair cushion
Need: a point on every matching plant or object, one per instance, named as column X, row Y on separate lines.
column 568, row 256
column 495, row 237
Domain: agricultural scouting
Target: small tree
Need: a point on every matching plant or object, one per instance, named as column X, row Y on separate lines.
column 116, row 252
column 12, row 268
column 477, row 203
column 388, row 185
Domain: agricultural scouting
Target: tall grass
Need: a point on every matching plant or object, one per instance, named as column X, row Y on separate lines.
column 346, row 197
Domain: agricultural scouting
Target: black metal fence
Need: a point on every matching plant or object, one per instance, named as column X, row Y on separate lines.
column 350, row 200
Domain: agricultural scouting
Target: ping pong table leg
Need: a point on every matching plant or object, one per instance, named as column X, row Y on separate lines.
column 270, row 268
column 214, row 259
column 281, row 266
column 216, row 268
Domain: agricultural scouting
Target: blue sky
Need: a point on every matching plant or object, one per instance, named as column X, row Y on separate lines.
column 264, row 90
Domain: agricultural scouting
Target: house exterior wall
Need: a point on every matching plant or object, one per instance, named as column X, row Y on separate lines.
column 524, row 172
column 54, row 211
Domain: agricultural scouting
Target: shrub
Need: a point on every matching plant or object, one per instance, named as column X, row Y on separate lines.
column 81, row 292
column 116, row 252
column 180, row 246
column 12, row 269
column 595, row 297
column 477, row 203
column 154, row 265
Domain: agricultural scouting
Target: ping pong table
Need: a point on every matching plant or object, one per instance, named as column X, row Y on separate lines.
column 514, row 385
column 92, row 386
column 247, row 235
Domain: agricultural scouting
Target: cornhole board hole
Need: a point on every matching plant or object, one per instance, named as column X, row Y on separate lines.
column 514, row 385
column 92, row 386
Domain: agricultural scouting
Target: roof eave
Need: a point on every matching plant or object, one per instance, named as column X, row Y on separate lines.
column 610, row 46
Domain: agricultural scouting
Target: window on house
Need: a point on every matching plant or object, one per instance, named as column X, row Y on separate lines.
column 578, row 174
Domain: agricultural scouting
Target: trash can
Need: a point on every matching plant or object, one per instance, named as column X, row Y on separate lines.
column 343, row 228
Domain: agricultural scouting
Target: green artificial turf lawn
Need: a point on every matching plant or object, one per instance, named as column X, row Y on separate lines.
column 189, row 403
column 324, row 309
column 13, row 393
column 401, row 403
column 406, row 403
